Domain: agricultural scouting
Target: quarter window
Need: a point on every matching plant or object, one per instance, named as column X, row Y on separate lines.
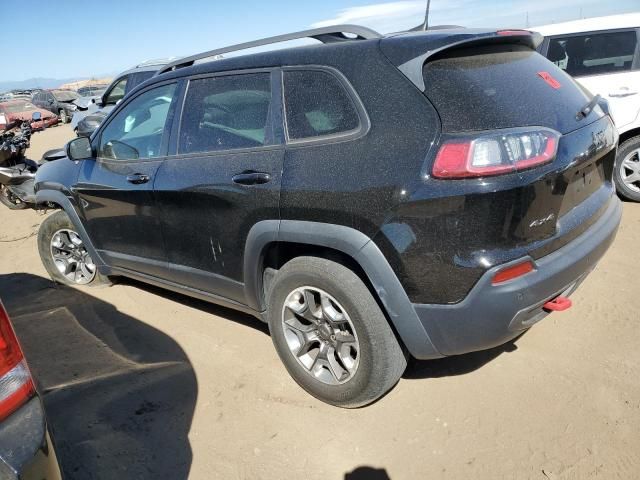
column 594, row 54
column 222, row 113
column 317, row 104
column 137, row 130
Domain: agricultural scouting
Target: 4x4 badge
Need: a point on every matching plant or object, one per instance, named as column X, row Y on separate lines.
column 546, row 76
column 541, row 221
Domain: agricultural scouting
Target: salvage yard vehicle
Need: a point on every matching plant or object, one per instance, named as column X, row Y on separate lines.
column 425, row 194
column 59, row 102
column 603, row 55
column 13, row 112
column 85, row 121
column 26, row 449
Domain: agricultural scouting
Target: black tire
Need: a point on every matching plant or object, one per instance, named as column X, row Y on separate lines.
column 381, row 360
column 64, row 117
column 52, row 224
column 8, row 200
column 622, row 188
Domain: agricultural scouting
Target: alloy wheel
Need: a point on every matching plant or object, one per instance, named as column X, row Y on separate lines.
column 71, row 257
column 320, row 335
column 630, row 170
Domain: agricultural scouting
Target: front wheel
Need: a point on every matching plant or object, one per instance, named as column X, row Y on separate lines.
column 64, row 254
column 331, row 334
column 626, row 173
column 64, row 116
column 8, row 199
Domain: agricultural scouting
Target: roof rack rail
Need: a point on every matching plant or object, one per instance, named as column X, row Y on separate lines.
column 331, row 34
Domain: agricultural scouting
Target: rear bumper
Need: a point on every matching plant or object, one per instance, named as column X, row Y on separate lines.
column 492, row 315
column 26, row 450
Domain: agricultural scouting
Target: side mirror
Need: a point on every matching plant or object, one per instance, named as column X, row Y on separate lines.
column 79, row 149
column 36, row 116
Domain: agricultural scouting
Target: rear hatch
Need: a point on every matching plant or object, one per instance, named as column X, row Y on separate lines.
column 498, row 87
column 492, row 82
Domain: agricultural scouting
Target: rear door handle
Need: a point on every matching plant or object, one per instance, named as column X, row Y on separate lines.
column 138, row 178
column 251, row 178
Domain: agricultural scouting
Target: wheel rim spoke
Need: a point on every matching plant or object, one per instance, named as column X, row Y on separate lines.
column 320, row 335
column 70, row 257
column 630, row 170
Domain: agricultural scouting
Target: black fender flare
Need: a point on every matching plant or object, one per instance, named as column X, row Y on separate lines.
column 361, row 249
column 58, row 197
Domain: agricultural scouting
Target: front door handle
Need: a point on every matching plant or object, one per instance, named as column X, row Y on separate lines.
column 251, row 178
column 138, row 178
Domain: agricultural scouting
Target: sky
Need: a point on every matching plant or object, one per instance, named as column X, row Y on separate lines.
column 83, row 39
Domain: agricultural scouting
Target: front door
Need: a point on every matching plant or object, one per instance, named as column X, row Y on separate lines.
column 115, row 190
column 224, row 178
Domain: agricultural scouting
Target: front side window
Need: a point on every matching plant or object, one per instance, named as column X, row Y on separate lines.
column 117, row 92
column 594, row 54
column 317, row 104
column 137, row 130
column 222, row 113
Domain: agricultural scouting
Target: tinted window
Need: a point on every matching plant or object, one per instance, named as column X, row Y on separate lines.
column 136, row 131
column 317, row 104
column 117, row 92
column 500, row 87
column 226, row 112
column 593, row 54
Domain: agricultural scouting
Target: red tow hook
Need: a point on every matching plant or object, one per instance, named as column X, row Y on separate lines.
column 558, row 304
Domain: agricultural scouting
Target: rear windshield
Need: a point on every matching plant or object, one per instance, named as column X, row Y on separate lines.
column 501, row 87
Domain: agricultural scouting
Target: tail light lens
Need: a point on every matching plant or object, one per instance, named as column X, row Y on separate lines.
column 495, row 153
column 16, row 385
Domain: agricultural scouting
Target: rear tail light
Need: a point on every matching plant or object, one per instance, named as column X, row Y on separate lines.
column 495, row 153
column 513, row 271
column 16, row 385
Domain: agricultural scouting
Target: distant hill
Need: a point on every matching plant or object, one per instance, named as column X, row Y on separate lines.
column 34, row 83
column 37, row 83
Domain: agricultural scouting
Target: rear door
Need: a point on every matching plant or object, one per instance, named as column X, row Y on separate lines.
column 224, row 178
column 115, row 189
column 606, row 63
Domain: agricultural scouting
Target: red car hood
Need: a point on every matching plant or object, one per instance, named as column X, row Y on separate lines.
column 26, row 115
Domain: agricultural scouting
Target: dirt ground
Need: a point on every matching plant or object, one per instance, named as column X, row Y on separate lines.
column 143, row 383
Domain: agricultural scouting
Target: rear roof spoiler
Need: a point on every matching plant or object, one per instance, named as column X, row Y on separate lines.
column 401, row 49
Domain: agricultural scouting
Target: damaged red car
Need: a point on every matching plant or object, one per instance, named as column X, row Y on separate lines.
column 13, row 112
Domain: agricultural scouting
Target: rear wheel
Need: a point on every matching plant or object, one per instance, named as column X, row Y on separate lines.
column 331, row 334
column 626, row 173
column 64, row 254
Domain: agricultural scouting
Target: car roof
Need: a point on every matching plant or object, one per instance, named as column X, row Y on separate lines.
column 610, row 22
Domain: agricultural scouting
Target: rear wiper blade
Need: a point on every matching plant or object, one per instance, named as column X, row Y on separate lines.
column 588, row 108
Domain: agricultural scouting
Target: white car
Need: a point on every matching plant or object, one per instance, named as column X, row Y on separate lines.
column 603, row 55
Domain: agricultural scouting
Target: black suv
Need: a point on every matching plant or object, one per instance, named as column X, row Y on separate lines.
column 424, row 194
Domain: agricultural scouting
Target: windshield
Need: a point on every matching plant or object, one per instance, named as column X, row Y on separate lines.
column 91, row 91
column 17, row 107
column 65, row 95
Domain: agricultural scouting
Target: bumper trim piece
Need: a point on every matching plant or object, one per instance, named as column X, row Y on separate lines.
column 491, row 315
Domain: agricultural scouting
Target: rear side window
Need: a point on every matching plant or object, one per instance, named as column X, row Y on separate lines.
column 222, row 113
column 594, row 54
column 501, row 87
column 317, row 104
